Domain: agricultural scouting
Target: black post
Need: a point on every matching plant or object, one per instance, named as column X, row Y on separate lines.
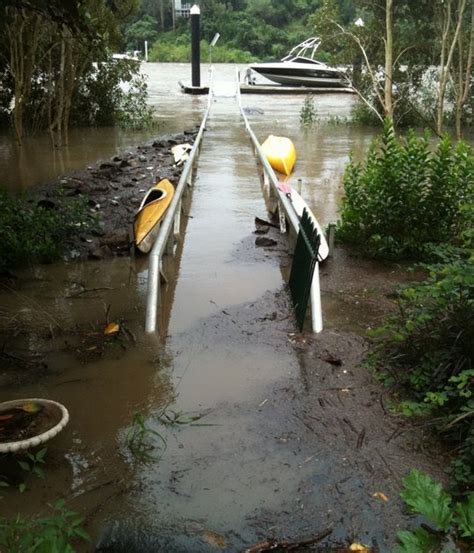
column 195, row 47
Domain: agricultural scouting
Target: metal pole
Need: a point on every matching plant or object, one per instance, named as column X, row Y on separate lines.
column 146, row 50
column 195, row 47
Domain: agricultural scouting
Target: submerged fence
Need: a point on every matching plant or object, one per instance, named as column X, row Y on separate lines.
column 170, row 226
column 286, row 214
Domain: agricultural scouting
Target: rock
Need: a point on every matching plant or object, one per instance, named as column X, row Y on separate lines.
column 264, row 242
column 99, row 231
column 100, row 253
column 160, row 144
column 142, row 159
column 117, row 238
column 107, row 165
column 46, row 204
column 116, row 158
column 125, row 163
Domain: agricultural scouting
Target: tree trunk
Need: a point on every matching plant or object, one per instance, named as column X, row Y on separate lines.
column 23, row 36
column 446, row 67
column 388, row 104
column 464, row 76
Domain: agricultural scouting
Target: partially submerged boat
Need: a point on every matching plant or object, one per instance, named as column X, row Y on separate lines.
column 280, row 152
column 150, row 213
column 299, row 68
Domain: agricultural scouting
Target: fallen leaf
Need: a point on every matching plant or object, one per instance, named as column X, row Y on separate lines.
column 31, row 407
column 214, row 539
column 380, row 495
column 359, row 547
column 111, row 328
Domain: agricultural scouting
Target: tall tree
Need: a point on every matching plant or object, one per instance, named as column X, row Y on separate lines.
column 453, row 16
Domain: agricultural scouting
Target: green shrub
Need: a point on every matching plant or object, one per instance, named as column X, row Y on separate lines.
column 113, row 93
column 32, row 233
column 427, row 348
column 451, row 524
column 308, row 114
column 45, row 535
column 406, row 198
column 178, row 49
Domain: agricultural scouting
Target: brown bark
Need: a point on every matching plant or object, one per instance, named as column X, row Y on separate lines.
column 23, row 37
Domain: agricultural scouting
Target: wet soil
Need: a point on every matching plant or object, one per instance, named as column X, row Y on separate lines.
column 114, row 190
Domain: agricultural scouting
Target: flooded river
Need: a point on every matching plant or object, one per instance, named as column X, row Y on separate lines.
column 217, row 390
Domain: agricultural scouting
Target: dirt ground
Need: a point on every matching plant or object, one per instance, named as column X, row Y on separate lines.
column 114, row 189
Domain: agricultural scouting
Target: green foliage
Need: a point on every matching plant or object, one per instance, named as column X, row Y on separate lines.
column 145, row 443
column 56, row 533
column 308, row 114
column 143, row 29
column 406, row 198
column 177, row 48
column 31, row 464
column 426, row 496
column 32, row 233
column 428, row 349
column 453, row 523
column 113, row 93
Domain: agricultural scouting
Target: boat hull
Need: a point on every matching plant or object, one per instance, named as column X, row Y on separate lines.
column 148, row 217
column 300, row 74
column 280, row 153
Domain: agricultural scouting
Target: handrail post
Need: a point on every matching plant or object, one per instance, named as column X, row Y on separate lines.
column 168, row 225
column 285, row 210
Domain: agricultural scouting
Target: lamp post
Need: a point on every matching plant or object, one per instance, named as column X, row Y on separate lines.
column 211, row 46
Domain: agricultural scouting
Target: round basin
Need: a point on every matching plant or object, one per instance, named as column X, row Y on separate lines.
column 39, row 421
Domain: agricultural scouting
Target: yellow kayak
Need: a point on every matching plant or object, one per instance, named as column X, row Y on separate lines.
column 280, row 152
column 150, row 213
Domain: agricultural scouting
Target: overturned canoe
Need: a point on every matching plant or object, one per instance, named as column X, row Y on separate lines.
column 280, row 152
column 151, row 211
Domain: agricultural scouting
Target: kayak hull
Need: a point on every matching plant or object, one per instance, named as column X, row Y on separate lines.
column 280, row 153
column 148, row 217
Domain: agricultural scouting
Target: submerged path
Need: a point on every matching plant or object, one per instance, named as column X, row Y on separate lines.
column 274, row 454
column 229, row 349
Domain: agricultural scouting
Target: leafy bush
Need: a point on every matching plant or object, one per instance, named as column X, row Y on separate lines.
column 31, row 232
column 308, row 114
column 178, row 49
column 454, row 523
column 44, row 535
column 114, row 92
column 428, row 349
column 406, row 198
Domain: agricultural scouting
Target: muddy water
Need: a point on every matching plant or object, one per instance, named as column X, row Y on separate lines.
column 223, row 353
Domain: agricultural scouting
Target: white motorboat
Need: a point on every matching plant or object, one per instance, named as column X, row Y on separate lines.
column 299, row 68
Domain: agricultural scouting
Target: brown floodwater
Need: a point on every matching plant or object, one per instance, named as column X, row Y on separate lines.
column 213, row 357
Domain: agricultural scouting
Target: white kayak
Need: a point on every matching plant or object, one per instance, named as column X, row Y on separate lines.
column 299, row 205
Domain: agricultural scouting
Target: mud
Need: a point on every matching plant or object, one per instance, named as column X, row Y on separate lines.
column 114, row 190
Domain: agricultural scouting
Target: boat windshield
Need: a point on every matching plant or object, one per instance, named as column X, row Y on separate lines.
column 306, row 49
column 307, row 60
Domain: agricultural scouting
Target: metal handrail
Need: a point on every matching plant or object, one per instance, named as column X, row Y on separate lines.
column 153, row 287
column 289, row 211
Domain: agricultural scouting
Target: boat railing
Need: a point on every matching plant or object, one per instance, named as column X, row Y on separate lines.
column 286, row 212
column 169, row 229
column 310, row 44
